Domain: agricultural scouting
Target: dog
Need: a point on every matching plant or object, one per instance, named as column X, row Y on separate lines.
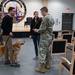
column 16, row 49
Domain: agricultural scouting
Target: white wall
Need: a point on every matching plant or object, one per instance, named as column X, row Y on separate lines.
column 57, row 7
column 74, row 22
column 32, row 5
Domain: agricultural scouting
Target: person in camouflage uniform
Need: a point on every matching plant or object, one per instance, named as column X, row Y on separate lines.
column 1, row 39
column 45, row 31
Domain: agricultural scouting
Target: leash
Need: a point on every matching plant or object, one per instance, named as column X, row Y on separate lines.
column 7, row 40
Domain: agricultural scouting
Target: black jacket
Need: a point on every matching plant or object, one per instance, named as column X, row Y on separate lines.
column 33, row 26
column 7, row 25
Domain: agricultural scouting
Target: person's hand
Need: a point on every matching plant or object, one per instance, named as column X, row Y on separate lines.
column 16, row 22
column 34, row 30
column 11, row 34
column 30, row 36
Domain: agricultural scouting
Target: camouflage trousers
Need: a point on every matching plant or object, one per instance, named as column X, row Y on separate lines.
column 44, row 51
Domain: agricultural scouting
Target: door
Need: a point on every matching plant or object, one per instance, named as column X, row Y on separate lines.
column 67, row 21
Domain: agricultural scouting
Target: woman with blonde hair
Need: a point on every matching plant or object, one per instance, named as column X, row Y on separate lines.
column 35, row 23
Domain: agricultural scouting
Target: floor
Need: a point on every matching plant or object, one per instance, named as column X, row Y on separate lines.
column 28, row 65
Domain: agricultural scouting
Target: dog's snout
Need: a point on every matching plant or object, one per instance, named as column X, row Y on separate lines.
column 23, row 42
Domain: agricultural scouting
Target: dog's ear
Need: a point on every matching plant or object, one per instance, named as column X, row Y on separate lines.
column 16, row 43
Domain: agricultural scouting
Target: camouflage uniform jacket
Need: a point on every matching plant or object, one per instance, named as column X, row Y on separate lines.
column 46, row 28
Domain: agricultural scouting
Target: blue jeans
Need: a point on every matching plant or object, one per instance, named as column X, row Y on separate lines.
column 36, row 40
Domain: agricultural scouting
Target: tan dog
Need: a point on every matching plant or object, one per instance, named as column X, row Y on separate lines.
column 16, row 49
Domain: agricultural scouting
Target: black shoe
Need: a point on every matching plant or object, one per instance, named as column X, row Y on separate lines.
column 7, row 62
column 36, row 58
column 15, row 65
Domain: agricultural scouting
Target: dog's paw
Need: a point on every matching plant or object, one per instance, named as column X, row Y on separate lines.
column 18, row 60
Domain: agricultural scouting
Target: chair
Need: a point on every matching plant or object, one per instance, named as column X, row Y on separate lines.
column 65, row 31
column 71, row 31
column 56, row 33
column 74, row 33
column 68, row 36
column 67, row 65
column 28, row 21
column 71, row 47
column 58, row 47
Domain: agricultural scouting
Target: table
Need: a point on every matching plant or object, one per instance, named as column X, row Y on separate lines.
column 21, row 32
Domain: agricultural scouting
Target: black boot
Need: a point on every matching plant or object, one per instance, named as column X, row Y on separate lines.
column 7, row 62
column 15, row 65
